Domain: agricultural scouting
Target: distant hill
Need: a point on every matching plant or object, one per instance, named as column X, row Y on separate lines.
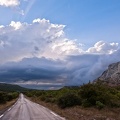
column 112, row 75
column 70, row 87
column 11, row 87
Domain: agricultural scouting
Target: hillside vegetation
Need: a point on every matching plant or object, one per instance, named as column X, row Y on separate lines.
column 11, row 87
column 90, row 95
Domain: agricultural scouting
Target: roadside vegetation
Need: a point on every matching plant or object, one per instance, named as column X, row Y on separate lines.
column 7, row 96
column 96, row 95
column 9, row 92
column 95, row 101
column 7, row 99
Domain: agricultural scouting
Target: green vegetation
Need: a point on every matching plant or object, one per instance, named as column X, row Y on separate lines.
column 90, row 95
column 7, row 96
column 8, row 92
column 99, row 105
column 68, row 100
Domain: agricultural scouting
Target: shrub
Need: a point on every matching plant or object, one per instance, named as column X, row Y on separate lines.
column 89, row 95
column 42, row 98
column 99, row 105
column 86, row 103
column 68, row 100
column 47, row 99
column 5, row 96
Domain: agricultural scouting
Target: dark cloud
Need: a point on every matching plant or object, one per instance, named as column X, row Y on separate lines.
column 47, row 73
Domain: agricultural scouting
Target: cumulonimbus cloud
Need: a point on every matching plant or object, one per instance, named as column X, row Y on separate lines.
column 43, row 39
column 40, row 53
column 40, row 38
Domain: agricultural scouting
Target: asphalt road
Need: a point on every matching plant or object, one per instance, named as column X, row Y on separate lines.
column 24, row 109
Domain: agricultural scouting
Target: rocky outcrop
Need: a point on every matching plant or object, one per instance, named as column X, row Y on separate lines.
column 111, row 75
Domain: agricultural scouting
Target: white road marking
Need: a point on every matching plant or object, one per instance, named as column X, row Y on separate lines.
column 54, row 113
column 1, row 115
column 24, row 109
column 9, row 109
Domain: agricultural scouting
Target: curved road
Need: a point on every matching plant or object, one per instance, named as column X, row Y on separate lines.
column 24, row 109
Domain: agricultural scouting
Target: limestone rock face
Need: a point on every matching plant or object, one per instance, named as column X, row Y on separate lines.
column 111, row 75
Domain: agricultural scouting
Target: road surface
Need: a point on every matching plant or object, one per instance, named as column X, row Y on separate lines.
column 24, row 109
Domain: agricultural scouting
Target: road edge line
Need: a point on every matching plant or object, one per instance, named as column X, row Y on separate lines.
column 1, row 115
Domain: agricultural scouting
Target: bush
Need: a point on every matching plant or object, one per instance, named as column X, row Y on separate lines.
column 47, row 100
column 68, row 100
column 86, row 103
column 90, row 93
column 42, row 98
column 99, row 105
column 5, row 96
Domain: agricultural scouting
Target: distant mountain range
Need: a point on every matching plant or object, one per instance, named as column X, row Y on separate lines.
column 112, row 75
column 11, row 87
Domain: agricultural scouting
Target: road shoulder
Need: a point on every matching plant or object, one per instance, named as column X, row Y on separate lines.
column 6, row 106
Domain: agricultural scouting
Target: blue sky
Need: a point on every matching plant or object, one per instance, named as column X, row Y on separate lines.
column 86, row 20
column 52, row 43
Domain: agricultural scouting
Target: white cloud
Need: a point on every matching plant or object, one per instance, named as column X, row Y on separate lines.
column 40, row 39
column 14, row 5
column 9, row 3
column 1, row 26
column 66, row 47
column 15, row 25
column 103, row 48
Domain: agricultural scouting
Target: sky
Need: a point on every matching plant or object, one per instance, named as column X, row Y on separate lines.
column 47, row 44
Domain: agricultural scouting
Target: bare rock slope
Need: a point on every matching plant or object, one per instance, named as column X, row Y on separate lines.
column 111, row 75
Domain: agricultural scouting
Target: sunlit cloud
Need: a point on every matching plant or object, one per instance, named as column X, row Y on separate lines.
column 9, row 3
column 104, row 48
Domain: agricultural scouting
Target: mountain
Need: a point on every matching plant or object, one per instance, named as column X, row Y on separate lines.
column 112, row 75
column 11, row 87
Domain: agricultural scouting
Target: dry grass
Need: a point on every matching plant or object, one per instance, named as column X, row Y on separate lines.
column 5, row 106
column 79, row 113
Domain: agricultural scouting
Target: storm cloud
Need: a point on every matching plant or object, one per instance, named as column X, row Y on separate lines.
column 47, row 73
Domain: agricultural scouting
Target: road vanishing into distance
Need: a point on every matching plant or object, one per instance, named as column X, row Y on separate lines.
column 24, row 109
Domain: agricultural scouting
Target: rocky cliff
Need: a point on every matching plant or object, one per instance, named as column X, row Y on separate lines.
column 111, row 75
